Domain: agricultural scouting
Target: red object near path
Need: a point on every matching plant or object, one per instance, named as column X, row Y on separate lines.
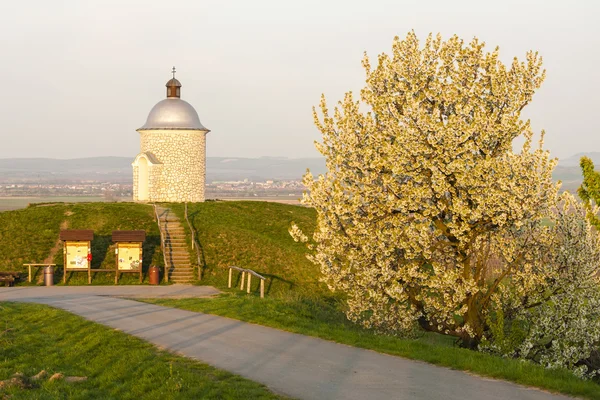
column 154, row 275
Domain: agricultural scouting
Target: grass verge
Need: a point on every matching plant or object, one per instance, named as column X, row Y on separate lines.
column 323, row 319
column 118, row 366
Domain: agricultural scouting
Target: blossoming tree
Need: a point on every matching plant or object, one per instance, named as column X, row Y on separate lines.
column 425, row 213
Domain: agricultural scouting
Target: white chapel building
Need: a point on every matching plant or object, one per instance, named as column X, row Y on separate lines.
column 171, row 166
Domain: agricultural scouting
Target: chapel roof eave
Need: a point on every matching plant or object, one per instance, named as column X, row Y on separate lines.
column 144, row 129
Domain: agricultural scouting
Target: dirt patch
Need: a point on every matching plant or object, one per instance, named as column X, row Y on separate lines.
column 54, row 250
column 57, row 245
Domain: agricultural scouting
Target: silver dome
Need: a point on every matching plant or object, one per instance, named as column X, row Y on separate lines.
column 173, row 113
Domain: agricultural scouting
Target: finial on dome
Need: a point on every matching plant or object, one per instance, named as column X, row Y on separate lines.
column 173, row 87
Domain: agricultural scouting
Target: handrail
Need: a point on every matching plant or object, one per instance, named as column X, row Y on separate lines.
column 249, row 272
column 162, row 243
column 195, row 244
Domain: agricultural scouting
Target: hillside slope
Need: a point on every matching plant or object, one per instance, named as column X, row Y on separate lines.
column 31, row 235
column 254, row 235
column 247, row 234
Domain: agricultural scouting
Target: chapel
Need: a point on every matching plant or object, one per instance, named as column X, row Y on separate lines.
column 171, row 165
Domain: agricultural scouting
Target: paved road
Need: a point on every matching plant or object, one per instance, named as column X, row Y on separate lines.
column 295, row 365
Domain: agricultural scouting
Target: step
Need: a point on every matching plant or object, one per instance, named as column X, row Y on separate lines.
column 178, row 263
column 177, row 253
column 176, row 245
column 181, row 272
column 181, row 267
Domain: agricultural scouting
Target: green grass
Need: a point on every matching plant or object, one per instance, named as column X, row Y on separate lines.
column 254, row 235
column 28, row 235
column 118, row 366
column 323, row 319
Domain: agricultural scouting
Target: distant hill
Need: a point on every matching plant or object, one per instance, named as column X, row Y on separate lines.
column 573, row 161
column 222, row 168
column 569, row 172
column 118, row 169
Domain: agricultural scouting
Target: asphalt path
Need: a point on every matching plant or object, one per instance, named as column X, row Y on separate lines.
column 295, row 365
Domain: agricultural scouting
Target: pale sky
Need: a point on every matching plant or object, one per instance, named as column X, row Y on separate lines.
column 80, row 76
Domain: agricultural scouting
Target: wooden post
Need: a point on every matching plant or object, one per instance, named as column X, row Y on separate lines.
column 228, row 284
column 141, row 261
column 89, row 263
column 249, row 280
column 242, row 285
column 64, row 262
column 117, row 264
column 29, row 273
column 262, row 288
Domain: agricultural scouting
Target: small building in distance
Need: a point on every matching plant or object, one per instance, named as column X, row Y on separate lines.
column 171, row 165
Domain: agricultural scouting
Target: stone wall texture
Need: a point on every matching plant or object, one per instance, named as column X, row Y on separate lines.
column 181, row 173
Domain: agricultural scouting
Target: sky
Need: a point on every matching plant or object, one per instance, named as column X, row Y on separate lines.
column 81, row 76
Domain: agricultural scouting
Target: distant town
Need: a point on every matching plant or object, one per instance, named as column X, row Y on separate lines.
column 111, row 191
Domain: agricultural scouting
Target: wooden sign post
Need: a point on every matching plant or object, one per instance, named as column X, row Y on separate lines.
column 128, row 253
column 77, row 251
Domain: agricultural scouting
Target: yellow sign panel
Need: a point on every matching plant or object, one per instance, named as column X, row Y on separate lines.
column 129, row 256
column 77, row 253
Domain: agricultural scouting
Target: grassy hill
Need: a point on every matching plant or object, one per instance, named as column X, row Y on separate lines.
column 254, row 235
column 242, row 233
column 30, row 235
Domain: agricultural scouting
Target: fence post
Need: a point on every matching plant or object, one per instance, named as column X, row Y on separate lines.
column 230, row 271
column 262, row 288
column 242, row 285
column 249, row 280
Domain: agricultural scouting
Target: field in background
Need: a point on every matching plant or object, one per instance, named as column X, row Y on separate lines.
column 15, row 203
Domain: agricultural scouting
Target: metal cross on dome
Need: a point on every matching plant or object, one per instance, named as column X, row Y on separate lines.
column 173, row 72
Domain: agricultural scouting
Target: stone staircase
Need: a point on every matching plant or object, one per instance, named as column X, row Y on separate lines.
column 176, row 249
